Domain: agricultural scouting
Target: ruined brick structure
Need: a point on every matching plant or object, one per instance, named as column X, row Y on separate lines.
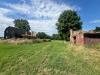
column 81, row 37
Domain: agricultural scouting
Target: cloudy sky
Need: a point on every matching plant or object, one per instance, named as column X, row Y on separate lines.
column 43, row 14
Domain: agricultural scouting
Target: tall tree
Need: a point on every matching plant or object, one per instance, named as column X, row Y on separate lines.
column 22, row 24
column 69, row 19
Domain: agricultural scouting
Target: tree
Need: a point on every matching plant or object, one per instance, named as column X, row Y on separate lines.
column 55, row 37
column 42, row 35
column 97, row 29
column 12, row 32
column 69, row 19
column 22, row 24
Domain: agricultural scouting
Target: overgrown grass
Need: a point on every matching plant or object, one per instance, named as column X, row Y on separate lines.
column 94, row 46
column 48, row 58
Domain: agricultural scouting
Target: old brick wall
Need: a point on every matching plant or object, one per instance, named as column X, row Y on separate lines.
column 80, row 39
column 91, row 38
column 88, row 40
column 76, row 37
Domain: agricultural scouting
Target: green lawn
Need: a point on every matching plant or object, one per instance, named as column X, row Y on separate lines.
column 49, row 58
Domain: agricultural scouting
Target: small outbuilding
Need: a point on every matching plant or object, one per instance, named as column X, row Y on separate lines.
column 81, row 37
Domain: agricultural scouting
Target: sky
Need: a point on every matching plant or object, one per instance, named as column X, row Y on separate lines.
column 42, row 15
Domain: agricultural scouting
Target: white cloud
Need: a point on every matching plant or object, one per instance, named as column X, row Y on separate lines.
column 95, row 21
column 37, row 9
column 3, row 11
column 2, row 28
column 21, row 8
column 43, row 26
column 3, row 18
column 4, row 21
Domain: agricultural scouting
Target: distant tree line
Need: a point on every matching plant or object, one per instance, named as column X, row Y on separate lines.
column 43, row 35
column 55, row 37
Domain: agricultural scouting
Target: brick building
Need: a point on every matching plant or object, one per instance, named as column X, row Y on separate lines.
column 82, row 37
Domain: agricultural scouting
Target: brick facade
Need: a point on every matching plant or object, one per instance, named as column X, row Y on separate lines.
column 80, row 37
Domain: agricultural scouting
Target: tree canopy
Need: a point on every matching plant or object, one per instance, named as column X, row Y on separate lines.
column 97, row 29
column 69, row 19
column 55, row 37
column 22, row 24
column 43, row 35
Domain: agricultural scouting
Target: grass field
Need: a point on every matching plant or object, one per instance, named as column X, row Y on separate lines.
column 49, row 58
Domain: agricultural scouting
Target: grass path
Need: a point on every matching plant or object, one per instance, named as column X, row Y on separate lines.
column 50, row 58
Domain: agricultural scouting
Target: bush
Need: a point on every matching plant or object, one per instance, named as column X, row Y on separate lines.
column 46, row 40
column 42, row 35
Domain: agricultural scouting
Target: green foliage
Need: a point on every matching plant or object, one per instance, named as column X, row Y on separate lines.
column 97, row 29
column 55, row 37
column 68, row 20
column 42, row 35
column 22, row 24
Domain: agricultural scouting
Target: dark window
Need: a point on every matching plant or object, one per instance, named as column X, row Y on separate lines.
column 92, row 35
column 74, row 39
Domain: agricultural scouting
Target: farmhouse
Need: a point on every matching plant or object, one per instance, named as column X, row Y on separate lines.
column 82, row 37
